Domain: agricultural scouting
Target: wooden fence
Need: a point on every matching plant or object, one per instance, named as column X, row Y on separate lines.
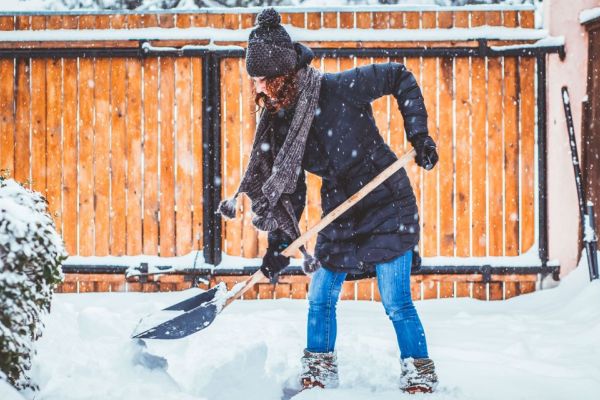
column 115, row 142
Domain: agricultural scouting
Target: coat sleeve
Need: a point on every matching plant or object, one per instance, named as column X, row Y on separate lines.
column 277, row 238
column 370, row 82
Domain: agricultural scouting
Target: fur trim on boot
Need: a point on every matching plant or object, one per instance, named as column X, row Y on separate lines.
column 418, row 375
column 319, row 370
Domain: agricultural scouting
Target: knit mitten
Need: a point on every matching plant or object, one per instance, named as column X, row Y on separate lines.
column 418, row 375
column 319, row 370
column 425, row 147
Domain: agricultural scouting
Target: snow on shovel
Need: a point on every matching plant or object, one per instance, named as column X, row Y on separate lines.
column 198, row 312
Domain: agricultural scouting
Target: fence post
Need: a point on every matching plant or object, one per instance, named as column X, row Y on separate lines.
column 542, row 156
column 211, row 157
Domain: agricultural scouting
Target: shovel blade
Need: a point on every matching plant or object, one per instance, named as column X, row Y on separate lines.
column 196, row 301
column 183, row 325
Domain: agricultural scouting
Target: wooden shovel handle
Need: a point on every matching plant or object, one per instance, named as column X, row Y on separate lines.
column 352, row 200
column 339, row 210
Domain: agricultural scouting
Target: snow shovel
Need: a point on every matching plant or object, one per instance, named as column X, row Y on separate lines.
column 198, row 312
column 587, row 218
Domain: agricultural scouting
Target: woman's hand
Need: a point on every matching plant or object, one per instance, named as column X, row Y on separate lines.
column 425, row 147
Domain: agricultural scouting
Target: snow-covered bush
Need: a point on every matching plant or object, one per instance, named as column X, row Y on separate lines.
column 31, row 255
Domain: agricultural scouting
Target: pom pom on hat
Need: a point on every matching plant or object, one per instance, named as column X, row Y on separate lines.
column 268, row 18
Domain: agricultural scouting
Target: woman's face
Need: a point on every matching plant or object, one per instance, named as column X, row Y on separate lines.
column 260, row 84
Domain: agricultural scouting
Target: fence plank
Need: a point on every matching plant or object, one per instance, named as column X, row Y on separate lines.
column 381, row 20
column 493, row 18
column 38, row 116
column 167, row 157
column 527, row 150
column 215, row 20
column 297, row 19
column 463, row 146
column 527, row 19
column 510, row 18
column 511, row 147
column 101, row 147
column 429, row 211
column 330, row 19
column 23, row 122
column 313, row 20
column 445, row 19
column 230, row 149
column 248, row 124
column 197, row 183
column 479, row 93
column 494, row 158
column 85, row 176
column 412, row 19
column 346, row 20
column 7, row 120
column 134, row 149
column 118, row 171
column 446, row 163
column 363, row 20
column 54, row 112
column 69, row 188
column 7, row 99
column 200, row 20
column 151, row 154
column 102, row 93
column 184, row 157
column 246, row 20
column 396, row 19
column 231, row 21
column 511, row 157
column 22, row 112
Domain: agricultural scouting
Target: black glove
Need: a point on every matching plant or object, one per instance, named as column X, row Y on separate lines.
column 427, row 155
column 416, row 261
column 273, row 262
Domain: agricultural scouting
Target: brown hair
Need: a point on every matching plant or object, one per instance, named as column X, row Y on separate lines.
column 282, row 92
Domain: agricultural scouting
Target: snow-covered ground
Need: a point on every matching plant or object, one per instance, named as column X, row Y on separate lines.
column 545, row 345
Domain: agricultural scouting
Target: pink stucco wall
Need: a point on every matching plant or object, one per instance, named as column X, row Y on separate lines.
column 561, row 18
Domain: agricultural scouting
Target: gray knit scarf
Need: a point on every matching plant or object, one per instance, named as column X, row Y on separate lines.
column 270, row 179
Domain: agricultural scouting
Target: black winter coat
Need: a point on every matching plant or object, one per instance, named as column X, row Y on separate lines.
column 345, row 149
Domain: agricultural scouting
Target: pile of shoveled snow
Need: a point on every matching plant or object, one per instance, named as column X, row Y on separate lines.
column 544, row 345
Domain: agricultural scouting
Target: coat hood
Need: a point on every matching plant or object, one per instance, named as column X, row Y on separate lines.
column 304, row 54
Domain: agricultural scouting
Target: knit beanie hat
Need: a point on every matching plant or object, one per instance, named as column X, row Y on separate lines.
column 270, row 49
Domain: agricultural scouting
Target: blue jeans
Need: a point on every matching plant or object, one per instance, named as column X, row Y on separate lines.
column 393, row 279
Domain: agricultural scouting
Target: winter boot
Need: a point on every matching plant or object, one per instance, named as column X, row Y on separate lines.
column 319, row 370
column 418, row 375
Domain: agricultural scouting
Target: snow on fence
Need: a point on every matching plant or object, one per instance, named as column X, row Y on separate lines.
column 118, row 143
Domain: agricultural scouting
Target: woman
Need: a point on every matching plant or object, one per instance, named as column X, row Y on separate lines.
column 324, row 124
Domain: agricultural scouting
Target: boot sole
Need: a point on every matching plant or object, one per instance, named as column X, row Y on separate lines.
column 417, row 389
